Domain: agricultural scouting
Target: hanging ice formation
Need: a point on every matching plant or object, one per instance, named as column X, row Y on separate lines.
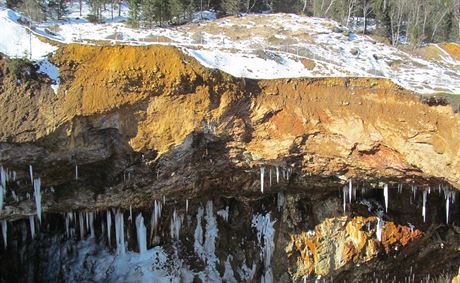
column 32, row 226
column 262, row 172
column 198, row 235
column 176, row 222
column 211, row 234
column 186, row 206
column 109, row 226
column 141, row 233
column 385, row 195
column 156, row 214
column 3, row 179
column 4, row 233
column 31, row 175
column 345, row 196
column 448, row 195
column 3, row 176
column 270, row 174
column 2, row 194
column 38, row 198
column 265, row 237
column 400, row 188
column 130, row 218
column 350, row 190
column 424, row 206
column 67, row 225
column 119, row 233
column 205, row 248
column 81, row 221
column 280, row 201
column 224, row 213
column 277, row 174
column 76, row 172
column 379, row 228
column 91, row 223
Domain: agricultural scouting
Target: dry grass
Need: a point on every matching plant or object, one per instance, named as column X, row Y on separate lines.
column 453, row 49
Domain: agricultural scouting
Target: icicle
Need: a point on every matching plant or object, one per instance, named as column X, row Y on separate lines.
column 2, row 194
column 424, row 206
column 176, row 222
column 3, row 177
column 91, row 224
column 120, row 233
column 350, row 188
column 82, row 225
column 379, row 228
column 32, row 226
column 270, row 177
column 76, row 172
column 345, row 196
column 130, row 218
column 14, row 175
column 186, row 206
column 447, row 206
column 38, row 198
column 87, row 220
column 385, row 195
column 262, row 172
column 277, row 175
column 4, row 233
column 224, row 213
column 141, row 233
column 280, row 201
column 67, row 224
column 15, row 197
column 31, row 174
column 109, row 226
column 164, row 200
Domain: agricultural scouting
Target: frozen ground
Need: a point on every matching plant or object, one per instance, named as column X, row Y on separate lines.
column 256, row 46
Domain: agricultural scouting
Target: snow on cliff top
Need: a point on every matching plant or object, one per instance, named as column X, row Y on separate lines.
column 265, row 47
column 15, row 40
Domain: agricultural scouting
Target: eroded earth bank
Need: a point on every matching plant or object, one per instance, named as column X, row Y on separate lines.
column 147, row 167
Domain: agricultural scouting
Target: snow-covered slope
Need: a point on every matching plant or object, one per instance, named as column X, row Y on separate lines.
column 16, row 41
column 274, row 46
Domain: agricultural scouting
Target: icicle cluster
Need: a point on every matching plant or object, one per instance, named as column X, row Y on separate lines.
column 154, row 221
column 265, row 236
column 349, row 193
column 205, row 243
column 176, row 223
column 286, row 175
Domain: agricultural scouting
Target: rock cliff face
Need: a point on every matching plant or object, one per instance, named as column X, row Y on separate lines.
column 131, row 125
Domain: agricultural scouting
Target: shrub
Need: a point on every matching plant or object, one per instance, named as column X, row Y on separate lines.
column 21, row 68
